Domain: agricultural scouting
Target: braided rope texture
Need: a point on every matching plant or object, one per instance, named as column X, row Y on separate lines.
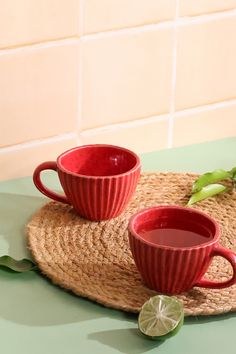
column 93, row 259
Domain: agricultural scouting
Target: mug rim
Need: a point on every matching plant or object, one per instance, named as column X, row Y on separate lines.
column 67, row 152
column 133, row 233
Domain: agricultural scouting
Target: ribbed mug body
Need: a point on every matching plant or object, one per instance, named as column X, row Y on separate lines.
column 170, row 271
column 99, row 198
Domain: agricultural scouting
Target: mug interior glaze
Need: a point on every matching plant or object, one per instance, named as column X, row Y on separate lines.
column 175, row 227
column 98, row 160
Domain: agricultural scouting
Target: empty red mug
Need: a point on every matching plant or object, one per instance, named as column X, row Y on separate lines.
column 98, row 180
column 173, row 247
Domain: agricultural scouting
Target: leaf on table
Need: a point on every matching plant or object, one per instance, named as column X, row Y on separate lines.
column 206, row 192
column 209, row 178
column 20, row 266
column 233, row 172
column 233, row 176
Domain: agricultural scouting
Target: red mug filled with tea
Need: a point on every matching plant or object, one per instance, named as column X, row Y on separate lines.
column 173, row 247
column 98, row 179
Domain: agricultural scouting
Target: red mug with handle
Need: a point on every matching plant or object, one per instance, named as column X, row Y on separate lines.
column 173, row 247
column 98, row 180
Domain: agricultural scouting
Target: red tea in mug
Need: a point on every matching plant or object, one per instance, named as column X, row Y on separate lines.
column 175, row 233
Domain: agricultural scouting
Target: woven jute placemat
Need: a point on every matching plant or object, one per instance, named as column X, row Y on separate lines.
column 93, row 260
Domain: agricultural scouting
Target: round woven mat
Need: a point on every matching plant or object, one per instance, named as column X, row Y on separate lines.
column 93, row 259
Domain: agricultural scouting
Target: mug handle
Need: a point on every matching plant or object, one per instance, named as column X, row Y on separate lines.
column 231, row 257
column 48, row 165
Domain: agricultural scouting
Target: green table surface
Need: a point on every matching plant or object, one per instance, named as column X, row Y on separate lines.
column 37, row 317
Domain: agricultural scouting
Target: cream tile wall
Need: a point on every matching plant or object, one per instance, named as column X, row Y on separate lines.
column 117, row 72
column 197, row 7
column 20, row 162
column 206, row 57
column 104, row 15
column 23, row 22
column 131, row 135
column 145, row 74
column 202, row 124
column 38, row 98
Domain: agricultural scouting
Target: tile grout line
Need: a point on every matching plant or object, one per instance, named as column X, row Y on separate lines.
column 117, row 126
column 153, row 119
column 204, row 108
column 38, row 46
column 81, row 18
column 204, row 18
column 79, row 91
column 80, row 72
column 173, row 80
column 125, row 125
column 181, row 21
column 38, row 142
column 128, row 30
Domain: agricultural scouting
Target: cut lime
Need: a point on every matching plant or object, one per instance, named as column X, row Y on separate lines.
column 161, row 317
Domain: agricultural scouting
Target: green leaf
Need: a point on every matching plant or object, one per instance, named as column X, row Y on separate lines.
column 209, row 178
column 233, row 172
column 23, row 265
column 205, row 192
column 233, row 176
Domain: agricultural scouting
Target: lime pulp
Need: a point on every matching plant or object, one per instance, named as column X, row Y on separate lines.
column 161, row 317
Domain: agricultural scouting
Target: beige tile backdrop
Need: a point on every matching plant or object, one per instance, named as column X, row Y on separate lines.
column 24, row 22
column 104, row 15
column 145, row 74
column 38, row 93
column 126, row 77
column 206, row 63
column 197, row 7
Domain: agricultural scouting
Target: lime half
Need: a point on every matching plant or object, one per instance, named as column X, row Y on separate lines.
column 161, row 317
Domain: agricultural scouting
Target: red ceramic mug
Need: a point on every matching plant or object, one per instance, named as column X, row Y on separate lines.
column 173, row 247
column 98, row 180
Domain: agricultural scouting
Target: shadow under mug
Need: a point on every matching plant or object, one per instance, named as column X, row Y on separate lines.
column 98, row 180
column 173, row 247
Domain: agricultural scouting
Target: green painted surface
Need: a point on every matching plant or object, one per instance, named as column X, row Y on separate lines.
column 37, row 317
